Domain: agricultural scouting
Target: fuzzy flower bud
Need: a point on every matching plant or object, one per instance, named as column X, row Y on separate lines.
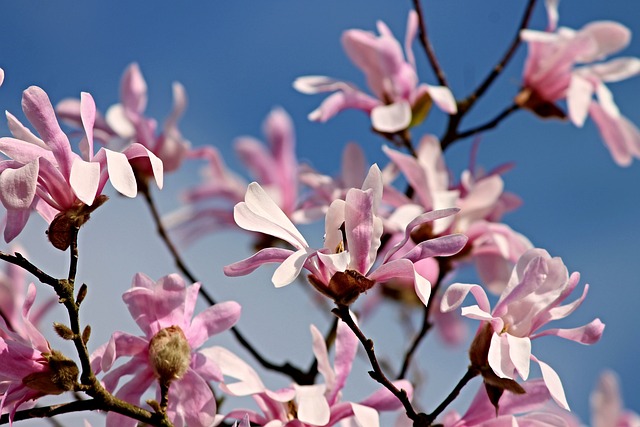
column 169, row 354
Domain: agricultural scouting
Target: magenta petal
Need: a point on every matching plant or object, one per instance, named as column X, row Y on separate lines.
column 191, row 401
column 440, row 246
column 212, row 321
column 264, row 256
column 39, row 111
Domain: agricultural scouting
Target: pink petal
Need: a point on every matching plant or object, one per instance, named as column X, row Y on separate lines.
column 322, row 356
column 362, row 242
column 212, row 321
column 85, row 180
column 346, row 349
column 391, row 118
column 136, row 150
column 290, row 268
column 443, row 98
column 120, row 173
column 19, row 186
column 365, row 415
column 587, row 334
column 88, row 116
column 456, row 293
column 232, row 366
column 192, row 401
column 498, row 357
column 552, row 380
column 133, row 89
column 39, row 111
column 20, row 131
column 312, row 406
column 264, row 256
column 520, row 353
column 621, row 137
column 384, row 400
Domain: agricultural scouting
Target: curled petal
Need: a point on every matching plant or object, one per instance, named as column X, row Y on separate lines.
column 456, row 293
column 264, row 256
column 587, row 334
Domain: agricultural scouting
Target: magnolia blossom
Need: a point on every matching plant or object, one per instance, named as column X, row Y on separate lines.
column 344, row 268
column 168, row 351
column 274, row 166
column 532, row 298
column 309, row 405
column 482, row 201
column 45, row 175
column 30, row 368
column 551, row 74
column 399, row 102
column 125, row 122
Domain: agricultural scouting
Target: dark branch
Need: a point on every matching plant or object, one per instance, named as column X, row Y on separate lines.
column 428, row 48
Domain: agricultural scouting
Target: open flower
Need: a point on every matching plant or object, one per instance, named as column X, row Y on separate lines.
column 399, row 101
column 125, row 122
column 29, row 367
column 46, row 175
column 344, row 268
column 532, row 298
column 310, row 405
column 551, row 74
column 168, row 352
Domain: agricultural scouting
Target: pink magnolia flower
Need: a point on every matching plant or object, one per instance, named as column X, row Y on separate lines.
column 532, row 298
column 46, row 175
column 551, row 74
column 13, row 296
column 164, row 311
column 344, row 268
column 29, row 367
column 399, row 101
column 480, row 196
column 125, row 122
column 309, row 405
column 275, row 167
column 521, row 410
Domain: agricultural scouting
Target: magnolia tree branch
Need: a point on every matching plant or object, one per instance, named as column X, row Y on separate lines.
column 293, row 372
column 452, row 134
column 489, row 125
column 342, row 311
column 468, row 376
column 428, row 48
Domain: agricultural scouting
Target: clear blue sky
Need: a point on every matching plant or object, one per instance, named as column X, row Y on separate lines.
column 238, row 59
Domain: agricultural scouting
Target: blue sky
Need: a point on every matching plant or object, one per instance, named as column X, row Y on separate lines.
column 238, row 59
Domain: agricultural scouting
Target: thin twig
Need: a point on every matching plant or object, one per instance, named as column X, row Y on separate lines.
column 468, row 376
column 428, row 48
column 489, row 125
column 342, row 311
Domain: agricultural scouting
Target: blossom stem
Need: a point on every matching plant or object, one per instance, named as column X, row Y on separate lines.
column 471, row 373
column 73, row 252
column 287, row 368
column 342, row 311
column 428, row 48
column 489, row 125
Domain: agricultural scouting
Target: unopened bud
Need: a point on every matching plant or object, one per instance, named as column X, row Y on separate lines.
column 169, row 354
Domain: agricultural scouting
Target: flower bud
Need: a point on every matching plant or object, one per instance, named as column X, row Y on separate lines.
column 169, row 354
column 61, row 376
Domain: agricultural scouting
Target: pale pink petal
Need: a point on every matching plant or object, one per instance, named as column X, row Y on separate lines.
column 257, row 159
column 15, row 223
column 498, row 357
column 391, row 118
column 403, row 269
column 85, row 180
column 354, row 165
column 312, row 405
column 205, row 367
column 520, row 353
column 457, row 292
column 616, row 69
column 133, row 89
column 120, row 173
column 322, row 356
column 212, row 321
column 443, row 98
column 19, row 186
column 88, row 116
column 136, row 150
column 290, row 268
column 552, row 14
column 365, row 416
column 260, row 213
column 552, row 380
column 359, row 229
column 23, row 133
column 605, row 400
column 346, row 349
column 440, row 246
column 476, row 313
column 340, row 101
column 587, row 334
column 609, row 37
column 232, row 366
column 118, row 121
column 191, row 401
column 410, row 35
column 621, row 137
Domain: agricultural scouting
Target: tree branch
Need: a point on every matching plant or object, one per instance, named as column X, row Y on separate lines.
column 428, row 48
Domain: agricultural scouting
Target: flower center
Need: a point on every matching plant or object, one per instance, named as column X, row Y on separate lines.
column 169, row 354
